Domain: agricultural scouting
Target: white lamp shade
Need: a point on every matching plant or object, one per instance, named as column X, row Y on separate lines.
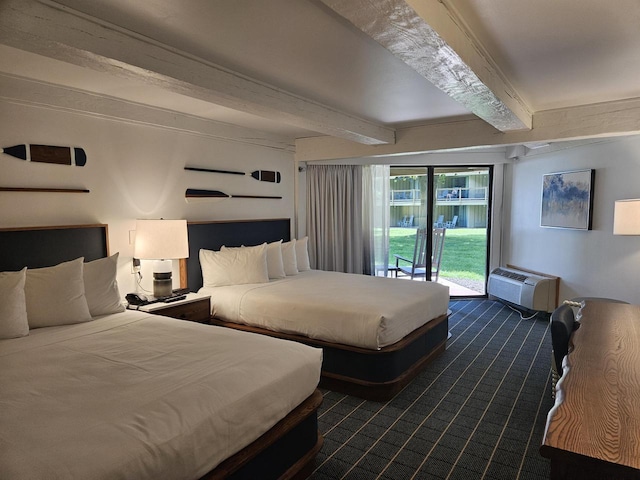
column 626, row 217
column 161, row 239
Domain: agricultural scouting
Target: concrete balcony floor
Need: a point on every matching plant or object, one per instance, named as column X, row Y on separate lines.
column 455, row 289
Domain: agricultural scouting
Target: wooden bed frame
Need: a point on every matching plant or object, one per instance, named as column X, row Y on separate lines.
column 286, row 451
column 372, row 374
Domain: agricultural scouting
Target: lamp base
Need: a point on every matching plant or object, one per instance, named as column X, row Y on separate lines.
column 162, row 283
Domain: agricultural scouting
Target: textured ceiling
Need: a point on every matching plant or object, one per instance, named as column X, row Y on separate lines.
column 553, row 53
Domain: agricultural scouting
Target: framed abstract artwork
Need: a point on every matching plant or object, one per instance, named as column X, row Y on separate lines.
column 567, row 199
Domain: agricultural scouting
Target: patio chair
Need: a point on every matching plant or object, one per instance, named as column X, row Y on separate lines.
column 439, row 223
column 418, row 265
column 452, row 223
column 403, row 221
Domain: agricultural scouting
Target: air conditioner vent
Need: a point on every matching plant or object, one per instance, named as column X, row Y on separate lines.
column 510, row 274
column 529, row 290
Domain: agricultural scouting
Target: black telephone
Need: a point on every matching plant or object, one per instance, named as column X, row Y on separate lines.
column 135, row 299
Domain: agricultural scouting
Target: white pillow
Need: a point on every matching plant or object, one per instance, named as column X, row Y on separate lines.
column 101, row 286
column 234, row 266
column 274, row 260
column 289, row 257
column 55, row 295
column 302, row 254
column 275, row 268
column 13, row 306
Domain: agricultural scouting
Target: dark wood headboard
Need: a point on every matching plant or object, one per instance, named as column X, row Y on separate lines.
column 36, row 247
column 213, row 235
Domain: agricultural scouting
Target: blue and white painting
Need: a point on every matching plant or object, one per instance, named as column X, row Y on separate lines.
column 567, row 199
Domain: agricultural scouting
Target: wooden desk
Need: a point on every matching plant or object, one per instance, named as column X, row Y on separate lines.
column 593, row 430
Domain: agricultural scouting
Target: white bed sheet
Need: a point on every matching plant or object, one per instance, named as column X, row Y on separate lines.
column 356, row 310
column 134, row 395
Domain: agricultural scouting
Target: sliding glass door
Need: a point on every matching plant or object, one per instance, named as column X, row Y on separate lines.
column 454, row 202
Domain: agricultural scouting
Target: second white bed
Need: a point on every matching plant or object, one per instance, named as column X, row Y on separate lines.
column 356, row 310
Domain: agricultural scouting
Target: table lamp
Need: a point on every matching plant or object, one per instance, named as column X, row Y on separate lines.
column 162, row 241
column 626, row 217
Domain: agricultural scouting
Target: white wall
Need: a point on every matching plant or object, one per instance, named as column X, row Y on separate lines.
column 590, row 263
column 136, row 171
column 133, row 171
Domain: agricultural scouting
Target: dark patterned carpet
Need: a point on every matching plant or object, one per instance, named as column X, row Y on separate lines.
column 477, row 412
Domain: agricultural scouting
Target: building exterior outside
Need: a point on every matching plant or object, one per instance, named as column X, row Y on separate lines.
column 461, row 194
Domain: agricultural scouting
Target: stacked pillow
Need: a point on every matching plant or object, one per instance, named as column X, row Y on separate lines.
column 289, row 257
column 234, row 266
column 13, row 307
column 67, row 293
column 302, row 254
column 101, row 286
column 259, row 264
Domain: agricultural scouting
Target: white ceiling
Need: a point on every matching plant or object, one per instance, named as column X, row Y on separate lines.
column 561, row 53
column 554, row 54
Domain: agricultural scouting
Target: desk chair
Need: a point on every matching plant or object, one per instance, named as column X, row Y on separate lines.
column 563, row 323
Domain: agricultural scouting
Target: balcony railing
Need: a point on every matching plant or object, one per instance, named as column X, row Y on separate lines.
column 405, row 197
column 444, row 196
column 462, row 196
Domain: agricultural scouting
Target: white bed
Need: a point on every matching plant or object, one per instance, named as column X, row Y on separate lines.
column 356, row 310
column 89, row 390
column 132, row 395
column 376, row 334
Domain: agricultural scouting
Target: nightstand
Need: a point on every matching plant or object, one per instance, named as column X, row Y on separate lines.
column 194, row 308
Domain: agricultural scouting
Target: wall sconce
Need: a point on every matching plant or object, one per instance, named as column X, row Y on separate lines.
column 162, row 241
column 626, row 217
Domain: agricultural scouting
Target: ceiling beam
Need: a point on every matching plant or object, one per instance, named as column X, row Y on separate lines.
column 23, row 91
column 430, row 38
column 49, row 29
column 598, row 120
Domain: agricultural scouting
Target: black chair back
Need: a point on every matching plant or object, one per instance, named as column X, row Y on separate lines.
column 563, row 323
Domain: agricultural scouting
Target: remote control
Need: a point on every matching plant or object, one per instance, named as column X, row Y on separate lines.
column 174, row 299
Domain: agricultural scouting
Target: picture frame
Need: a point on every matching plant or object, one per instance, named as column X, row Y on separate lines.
column 567, row 199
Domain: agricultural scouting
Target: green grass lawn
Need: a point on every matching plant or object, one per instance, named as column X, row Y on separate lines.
column 464, row 253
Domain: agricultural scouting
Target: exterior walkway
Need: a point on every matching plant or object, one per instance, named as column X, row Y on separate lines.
column 455, row 290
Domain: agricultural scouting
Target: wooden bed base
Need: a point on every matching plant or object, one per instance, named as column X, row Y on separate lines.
column 286, row 451
column 371, row 374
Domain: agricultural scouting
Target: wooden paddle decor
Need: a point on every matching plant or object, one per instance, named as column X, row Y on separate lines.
column 197, row 194
column 262, row 175
column 48, row 154
column 46, row 190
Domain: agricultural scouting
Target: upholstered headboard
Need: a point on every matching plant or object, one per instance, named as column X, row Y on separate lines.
column 213, row 235
column 36, row 247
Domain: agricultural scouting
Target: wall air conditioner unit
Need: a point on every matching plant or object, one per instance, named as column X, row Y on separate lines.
column 528, row 290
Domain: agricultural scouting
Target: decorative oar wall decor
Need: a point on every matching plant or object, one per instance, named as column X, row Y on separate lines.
column 45, row 190
column 262, row 175
column 198, row 195
column 48, row 154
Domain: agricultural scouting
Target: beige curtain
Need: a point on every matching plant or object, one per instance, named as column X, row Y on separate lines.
column 375, row 216
column 334, row 217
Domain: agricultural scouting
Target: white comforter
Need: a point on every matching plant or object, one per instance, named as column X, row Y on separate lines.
column 138, row 396
column 357, row 310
